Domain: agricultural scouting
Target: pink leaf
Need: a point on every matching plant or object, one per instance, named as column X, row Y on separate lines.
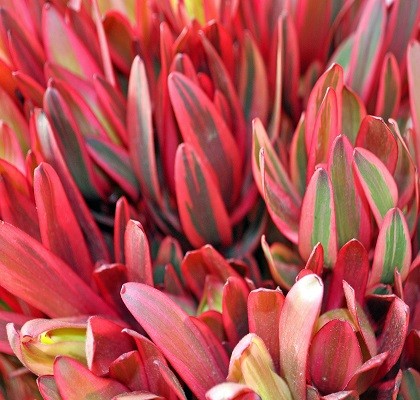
column 137, row 254
column 68, row 371
column 182, row 343
column 300, row 312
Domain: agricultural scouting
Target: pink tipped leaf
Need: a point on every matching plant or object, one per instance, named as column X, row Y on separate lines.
column 140, row 132
column 137, row 254
column 182, row 343
column 37, row 276
column 375, row 136
column 68, row 371
column 297, row 320
column 203, row 214
column 389, row 91
column 204, row 129
column 366, row 51
column 378, row 184
column 315, row 263
column 317, row 222
column 122, row 216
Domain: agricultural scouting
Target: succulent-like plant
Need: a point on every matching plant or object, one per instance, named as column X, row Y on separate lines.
column 206, row 199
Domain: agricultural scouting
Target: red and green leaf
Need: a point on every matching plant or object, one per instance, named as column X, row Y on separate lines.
column 36, row 275
column 375, row 136
column 297, row 320
column 351, row 214
column 140, row 132
column 393, row 249
column 203, row 214
column 317, row 222
column 353, row 113
column 325, row 130
column 253, row 83
column 332, row 78
column 62, row 236
column 377, row 183
column 283, row 262
column 389, row 91
column 366, row 51
column 178, row 338
column 205, row 130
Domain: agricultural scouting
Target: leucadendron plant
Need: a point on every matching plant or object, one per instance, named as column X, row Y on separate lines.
column 209, row 199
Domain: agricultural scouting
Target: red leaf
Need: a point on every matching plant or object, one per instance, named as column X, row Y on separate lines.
column 182, row 343
column 234, row 309
column 264, row 310
column 334, row 356
column 375, row 136
column 104, row 343
column 137, row 254
column 352, row 266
